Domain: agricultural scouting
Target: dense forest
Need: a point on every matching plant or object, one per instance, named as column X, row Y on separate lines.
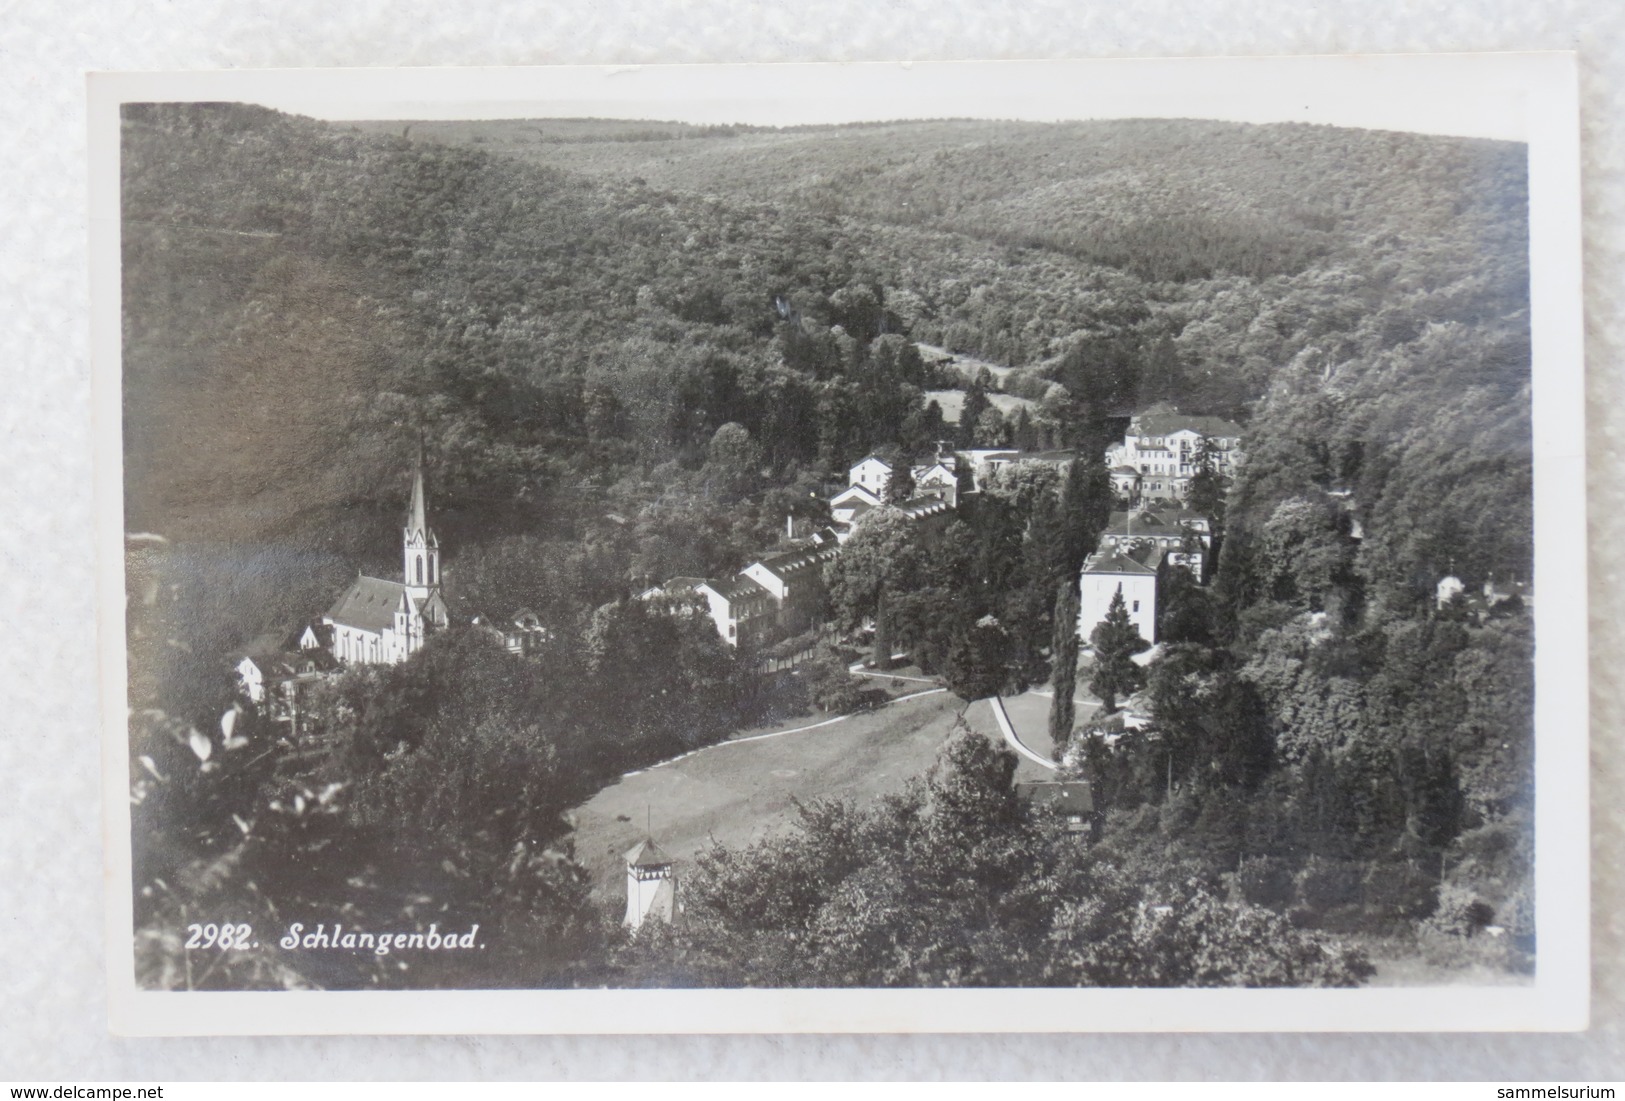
column 629, row 352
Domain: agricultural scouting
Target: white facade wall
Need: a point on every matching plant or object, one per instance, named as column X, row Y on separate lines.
column 871, row 474
column 650, row 895
column 1139, row 597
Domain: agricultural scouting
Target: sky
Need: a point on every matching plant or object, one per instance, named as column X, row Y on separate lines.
column 1477, row 95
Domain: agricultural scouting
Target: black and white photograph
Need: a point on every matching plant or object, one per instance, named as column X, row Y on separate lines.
column 744, row 543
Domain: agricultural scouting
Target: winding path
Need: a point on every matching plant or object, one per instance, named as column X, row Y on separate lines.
column 1003, row 719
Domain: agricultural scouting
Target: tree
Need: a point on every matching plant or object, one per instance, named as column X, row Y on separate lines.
column 733, row 462
column 881, row 559
column 1116, row 640
column 1066, row 535
column 1206, row 489
column 978, row 663
column 970, row 414
column 1064, row 662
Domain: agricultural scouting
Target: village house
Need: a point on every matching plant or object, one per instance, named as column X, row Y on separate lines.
column 795, row 581
column 853, row 501
column 1156, row 459
column 383, row 622
column 273, row 672
column 744, row 613
column 1137, row 572
column 983, row 462
column 937, row 479
column 521, row 633
column 873, row 474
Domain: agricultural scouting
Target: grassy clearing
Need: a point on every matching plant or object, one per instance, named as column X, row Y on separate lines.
column 740, row 791
column 952, row 403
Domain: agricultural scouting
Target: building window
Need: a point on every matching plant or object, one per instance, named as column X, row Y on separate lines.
column 1136, row 605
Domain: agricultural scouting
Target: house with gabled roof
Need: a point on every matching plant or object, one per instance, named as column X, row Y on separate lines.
column 938, row 479
column 273, row 671
column 743, row 612
column 795, row 580
column 872, row 473
column 852, row 502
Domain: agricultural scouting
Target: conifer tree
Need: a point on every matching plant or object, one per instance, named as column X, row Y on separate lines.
column 1116, row 640
column 1082, row 514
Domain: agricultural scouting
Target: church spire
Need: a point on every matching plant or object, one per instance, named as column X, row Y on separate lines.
column 418, row 521
column 421, row 548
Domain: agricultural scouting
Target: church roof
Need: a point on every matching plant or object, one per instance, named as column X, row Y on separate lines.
column 369, row 604
column 646, row 854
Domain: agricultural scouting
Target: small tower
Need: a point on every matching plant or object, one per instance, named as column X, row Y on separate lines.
column 420, row 546
column 651, row 888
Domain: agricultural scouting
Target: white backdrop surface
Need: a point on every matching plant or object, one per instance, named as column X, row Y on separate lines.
column 51, row 955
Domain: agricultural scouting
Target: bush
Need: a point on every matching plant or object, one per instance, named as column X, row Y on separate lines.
column 1399, row 891
column 1265, row 881
column 1461, row 912
column 831, row 685
column 1324, row 885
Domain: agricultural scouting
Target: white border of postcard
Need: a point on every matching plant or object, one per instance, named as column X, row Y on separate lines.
column 1523, row 97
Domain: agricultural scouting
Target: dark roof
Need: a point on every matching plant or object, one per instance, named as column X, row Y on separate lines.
column 1166, row 424
column 1115, row 561
column 787, row 562
column 369, row 604
column 646, row 854
column 1058, row 456
column 737, row 588
column 876, row 458
column 1066, row 796
column 1149, row 524
column 915, row 507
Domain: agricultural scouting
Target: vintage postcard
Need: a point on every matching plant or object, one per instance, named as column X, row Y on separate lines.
column 959, row 547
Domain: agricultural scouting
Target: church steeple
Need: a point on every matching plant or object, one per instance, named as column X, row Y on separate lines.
column 419, row 544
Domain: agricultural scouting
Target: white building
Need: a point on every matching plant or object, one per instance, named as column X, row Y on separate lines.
column 742, row 611
column 651, row 885
column 1448, row 587
column 1134, row 572
column 852, row 502
column 383, row 622
column 795, row 581
column 937, row 479
column 873, row 474
column 1156, row 459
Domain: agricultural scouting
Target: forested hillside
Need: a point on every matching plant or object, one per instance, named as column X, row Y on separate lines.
column 629, row 351
column 302, row 300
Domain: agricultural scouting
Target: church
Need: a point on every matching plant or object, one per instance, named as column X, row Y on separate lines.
column 383, row 622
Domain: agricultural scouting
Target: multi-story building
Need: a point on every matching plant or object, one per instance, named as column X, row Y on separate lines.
column 1157, row 457
column 1136, row 572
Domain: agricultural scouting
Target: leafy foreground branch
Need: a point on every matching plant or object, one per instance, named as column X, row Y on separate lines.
column 953, row 882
